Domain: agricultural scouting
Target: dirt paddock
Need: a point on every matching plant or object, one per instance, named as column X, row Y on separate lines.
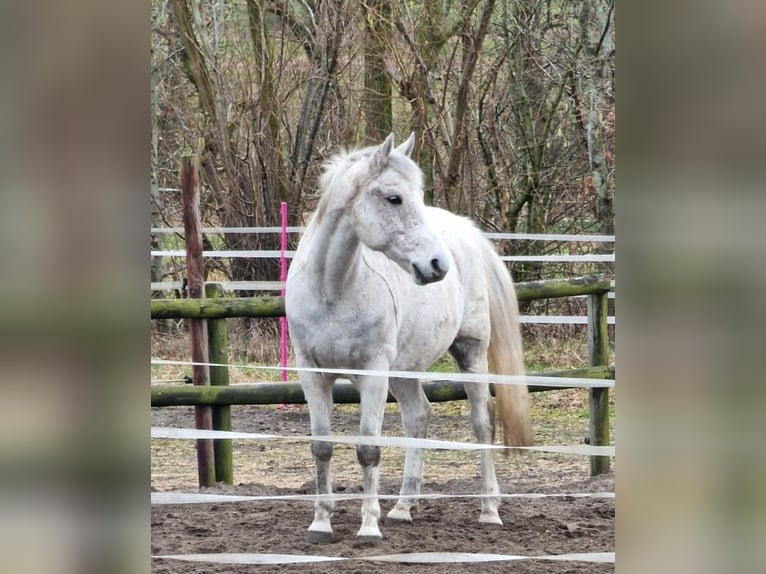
column 532, row 526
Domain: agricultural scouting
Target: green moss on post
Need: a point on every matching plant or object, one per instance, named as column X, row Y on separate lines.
column 553, row 288
column 218, row 351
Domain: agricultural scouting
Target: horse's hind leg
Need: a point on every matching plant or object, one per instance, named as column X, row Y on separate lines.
column 318, row 392
column 415, row 414
column 471, row 357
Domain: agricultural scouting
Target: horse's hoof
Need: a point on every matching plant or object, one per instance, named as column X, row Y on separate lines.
column 318, row 537
column 397, row 514
column 490, row 519
column 369, row 535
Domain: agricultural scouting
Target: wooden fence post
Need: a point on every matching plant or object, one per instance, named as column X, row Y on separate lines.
column 598, row 354
column 218, row 350
column 195, row 274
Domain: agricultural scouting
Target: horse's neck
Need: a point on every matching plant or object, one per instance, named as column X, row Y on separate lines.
column 335, row 259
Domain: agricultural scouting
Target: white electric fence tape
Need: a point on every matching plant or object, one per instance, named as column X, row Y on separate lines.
column 551, row 237
column 488, row 234
column 271, row 254
column 160, row 498
column 232, row 558
column 391, row 441
column 232, row 230
column 408, row 558
column 248, row 254
column 538, row 380
column 226, row 285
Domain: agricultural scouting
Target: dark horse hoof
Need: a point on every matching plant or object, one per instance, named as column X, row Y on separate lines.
column 318, row 537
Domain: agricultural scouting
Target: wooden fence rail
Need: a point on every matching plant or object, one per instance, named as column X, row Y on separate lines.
column 291, row 392
column 273, row 305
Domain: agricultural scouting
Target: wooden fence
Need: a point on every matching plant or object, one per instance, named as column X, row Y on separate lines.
column 215, row 394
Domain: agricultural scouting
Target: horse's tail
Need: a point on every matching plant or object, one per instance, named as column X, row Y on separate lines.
column 505, row 353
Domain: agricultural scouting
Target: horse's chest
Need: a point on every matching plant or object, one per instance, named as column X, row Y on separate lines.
column 341, row 335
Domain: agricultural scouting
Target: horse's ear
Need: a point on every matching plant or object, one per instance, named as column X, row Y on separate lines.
column 380, row 157
column 406, row 147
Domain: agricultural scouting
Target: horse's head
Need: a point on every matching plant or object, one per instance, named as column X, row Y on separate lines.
column 389, row 215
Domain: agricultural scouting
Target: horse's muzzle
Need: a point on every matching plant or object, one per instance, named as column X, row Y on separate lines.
column 435, row 271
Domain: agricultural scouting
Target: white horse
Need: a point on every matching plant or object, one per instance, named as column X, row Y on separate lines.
column 382, row 282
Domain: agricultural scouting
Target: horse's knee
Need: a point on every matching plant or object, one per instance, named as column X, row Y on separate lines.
column 322, row 450
column 368, row 455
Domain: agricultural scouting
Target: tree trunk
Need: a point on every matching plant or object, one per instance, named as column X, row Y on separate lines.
column 376, row 103
column 472, row 43
column 425, row 33
column 156, row 267
column 327, row 29
column 595, row 18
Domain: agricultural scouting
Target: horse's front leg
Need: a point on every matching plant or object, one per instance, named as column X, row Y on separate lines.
column 372, row 394
column 318, row 392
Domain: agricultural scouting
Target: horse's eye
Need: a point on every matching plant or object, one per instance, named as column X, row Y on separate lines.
column 394, row 199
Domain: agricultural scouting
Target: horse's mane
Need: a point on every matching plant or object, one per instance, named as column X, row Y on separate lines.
column 346, row 165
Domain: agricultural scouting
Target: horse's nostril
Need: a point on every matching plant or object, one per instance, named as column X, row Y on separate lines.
column 438, row 270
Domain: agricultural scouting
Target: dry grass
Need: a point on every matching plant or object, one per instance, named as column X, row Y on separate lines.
column 249, row 349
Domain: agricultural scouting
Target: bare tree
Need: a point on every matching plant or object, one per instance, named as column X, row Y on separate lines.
column 425, row 29
column 320, row 27
column 596, row 23
column 156, row 267
column 472, row 40
column 255, row 150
